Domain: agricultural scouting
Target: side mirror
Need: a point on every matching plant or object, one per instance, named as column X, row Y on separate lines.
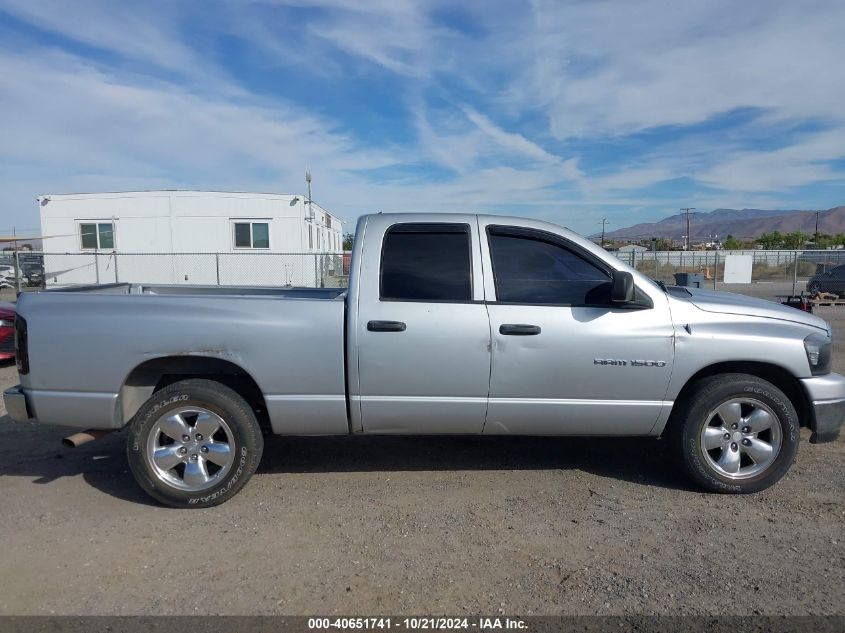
column 622, row 287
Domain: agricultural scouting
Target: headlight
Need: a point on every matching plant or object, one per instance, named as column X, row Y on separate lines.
column 818, row 349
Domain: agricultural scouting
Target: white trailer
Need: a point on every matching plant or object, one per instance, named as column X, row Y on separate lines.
column 188, row 237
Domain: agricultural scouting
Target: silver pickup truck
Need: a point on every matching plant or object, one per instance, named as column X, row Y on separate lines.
column 451, row 324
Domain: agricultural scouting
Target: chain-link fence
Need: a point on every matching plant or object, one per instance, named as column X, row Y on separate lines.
column 38, row 270
column 25, row 270
column 767, row 266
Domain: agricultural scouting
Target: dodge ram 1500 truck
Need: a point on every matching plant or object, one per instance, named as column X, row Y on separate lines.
column 464, row 324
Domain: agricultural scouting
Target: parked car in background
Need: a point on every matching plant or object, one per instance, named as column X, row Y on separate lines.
column 32, row 269
column 7, row 331
column 32, row 275
column 7, row 275
column 832, row 281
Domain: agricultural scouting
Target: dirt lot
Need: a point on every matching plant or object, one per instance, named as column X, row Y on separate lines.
column 421, row 525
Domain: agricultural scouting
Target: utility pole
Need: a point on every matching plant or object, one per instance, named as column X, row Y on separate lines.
column 688, row 243
column 603, row 222
column 17, row 263
column 308, row 180
column 816, row 239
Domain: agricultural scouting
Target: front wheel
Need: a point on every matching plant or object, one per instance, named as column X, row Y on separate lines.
column 194, row 444
column 736, row 433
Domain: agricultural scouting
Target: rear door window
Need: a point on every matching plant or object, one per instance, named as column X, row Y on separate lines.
column 426, row 262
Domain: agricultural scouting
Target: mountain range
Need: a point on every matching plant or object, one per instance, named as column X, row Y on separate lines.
column 740, row 223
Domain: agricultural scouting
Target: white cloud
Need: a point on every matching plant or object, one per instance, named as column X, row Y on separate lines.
column 801, row 163
column 632, row 178
column 465, row 149
column 609, row 68
column 393, row 34
column 162, row 110
column 77, row 124
column 508, row 140
column 137, row 31
column 606, row 69
column 86, row 129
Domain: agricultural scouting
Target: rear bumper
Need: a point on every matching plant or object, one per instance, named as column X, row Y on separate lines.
column 16, row 405
column 62, row 408
column 827, row 406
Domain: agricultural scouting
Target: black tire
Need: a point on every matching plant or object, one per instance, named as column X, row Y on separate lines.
column 244, row 440
column 686, row 428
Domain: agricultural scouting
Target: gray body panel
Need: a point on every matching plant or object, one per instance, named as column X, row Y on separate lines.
column 549, row 384
column 82, row 347
column 589, row 371
column 434, row 376
column 742, row 305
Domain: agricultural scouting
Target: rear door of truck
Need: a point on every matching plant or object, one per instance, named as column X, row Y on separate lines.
column 419, row 337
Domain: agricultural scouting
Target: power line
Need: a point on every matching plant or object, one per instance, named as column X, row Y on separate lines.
column 36, row 230
column 688, row 243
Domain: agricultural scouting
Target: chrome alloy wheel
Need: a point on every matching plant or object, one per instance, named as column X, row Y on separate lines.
column 190, row 448
column 741, row 438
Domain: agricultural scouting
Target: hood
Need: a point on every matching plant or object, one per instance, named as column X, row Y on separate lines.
column 730, row 303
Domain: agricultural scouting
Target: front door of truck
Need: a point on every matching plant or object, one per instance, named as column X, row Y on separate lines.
column 423, row 336
column 565, row 361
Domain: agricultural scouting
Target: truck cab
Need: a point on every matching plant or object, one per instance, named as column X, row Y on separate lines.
column 484, row 324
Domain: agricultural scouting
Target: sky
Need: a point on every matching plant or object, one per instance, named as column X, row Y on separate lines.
column 569, row 111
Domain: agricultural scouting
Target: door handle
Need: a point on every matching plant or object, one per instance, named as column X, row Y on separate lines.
column 385, row 326
column 519, row 329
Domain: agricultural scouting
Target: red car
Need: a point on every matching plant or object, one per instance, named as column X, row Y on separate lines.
column 7, row 330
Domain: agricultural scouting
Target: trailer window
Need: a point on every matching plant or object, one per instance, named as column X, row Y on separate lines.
column 252, row 235
column 105, row 233
column 94, row 235
column 260, row 235
column 426, row 262
column 88, row 235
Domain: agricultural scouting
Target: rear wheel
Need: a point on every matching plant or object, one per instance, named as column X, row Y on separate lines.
column 736, row 433
column 194, row 444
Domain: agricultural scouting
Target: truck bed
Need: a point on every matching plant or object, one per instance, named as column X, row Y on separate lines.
column 289, row 341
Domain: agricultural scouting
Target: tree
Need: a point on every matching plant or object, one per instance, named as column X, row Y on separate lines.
column 797, row 239
column 347, row 241
column 732, row 244
column 823, row 241
column 771, row 240
column 663, row 244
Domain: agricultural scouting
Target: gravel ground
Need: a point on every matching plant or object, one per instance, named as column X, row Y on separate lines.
column 421, row 525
